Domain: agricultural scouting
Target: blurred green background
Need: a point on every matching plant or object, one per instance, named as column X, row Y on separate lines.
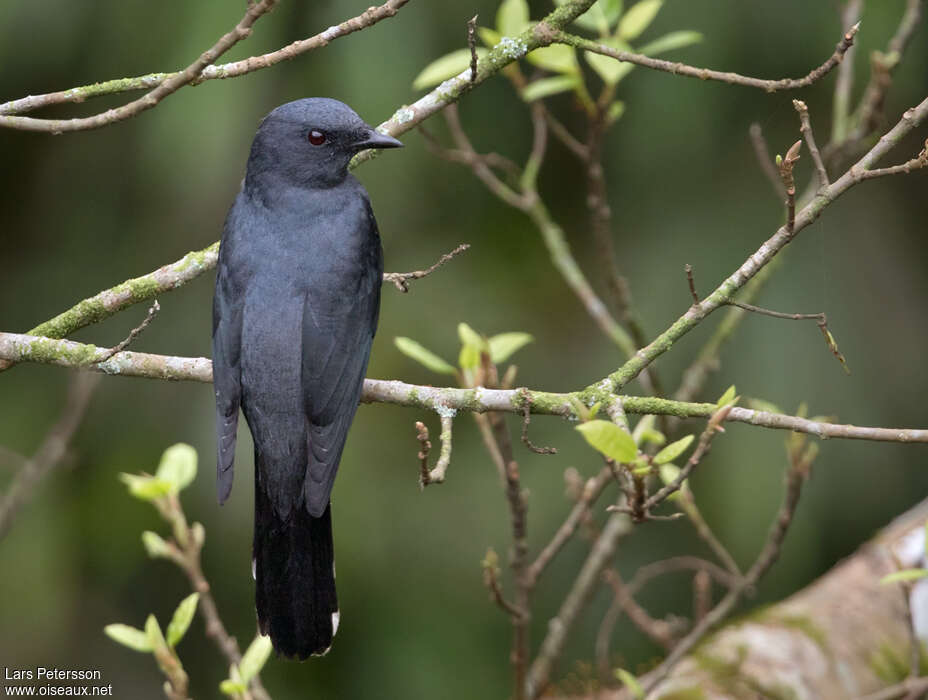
column 82, row 212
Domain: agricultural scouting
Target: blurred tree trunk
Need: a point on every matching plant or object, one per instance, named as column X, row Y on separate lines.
column 843, row 636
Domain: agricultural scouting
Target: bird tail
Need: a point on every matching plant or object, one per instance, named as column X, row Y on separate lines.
column 295, row 576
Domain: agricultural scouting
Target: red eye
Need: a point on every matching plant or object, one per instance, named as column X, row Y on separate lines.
column 316, row 138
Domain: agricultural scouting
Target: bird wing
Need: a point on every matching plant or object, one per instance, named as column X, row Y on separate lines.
column 227, row 335
column 338, row 329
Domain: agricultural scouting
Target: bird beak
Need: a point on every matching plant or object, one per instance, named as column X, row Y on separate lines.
column 375, row 139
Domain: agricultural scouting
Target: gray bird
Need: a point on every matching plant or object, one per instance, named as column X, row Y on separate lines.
column 294, row 315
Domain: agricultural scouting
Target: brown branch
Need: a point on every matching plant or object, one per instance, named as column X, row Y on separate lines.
column 152, row 98
column 806, row 130
column 785, row 165
column 50, row 453
column 526, row 419
column 919, row 161
column 401, row 279
column 209, row 72
column 705, row 74
column 820, row 319
column 691, row 282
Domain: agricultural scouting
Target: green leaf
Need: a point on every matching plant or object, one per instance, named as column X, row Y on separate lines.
column 673, row 450
column 503, row 346
column 145, row 488
column 762, row 405
column 668, row 473
column 153, row 632
column 549, row 86
column 608, row 69
column 178, row 466
column 230, row 687
column 154, row 544
column 601, row 16
column 422, row 355
column 468, row 336
column 557, row 58
column 254, row 658
column 670, row 42
column 905, row 575
column 609, row 439
column 445, row 67
column 488, row 36
column 726, row 398
column 130, row 637
column 616, row 110
column 511, row 17
column 638, row 17
column 630, row 682
column 182, row 618
column 472, row 344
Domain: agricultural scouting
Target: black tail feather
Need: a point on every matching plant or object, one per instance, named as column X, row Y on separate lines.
column 295, row 577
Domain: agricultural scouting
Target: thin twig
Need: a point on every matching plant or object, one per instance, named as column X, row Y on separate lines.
column 401, row 279
column 50, row 453
column 134, row 333
column 785, row 165
column 435, row 475
column 705, row 74
column 526, row 419
column 691, row 282
column 919, row 161
column 806, row 130
column 152, row 98
column 820, row 319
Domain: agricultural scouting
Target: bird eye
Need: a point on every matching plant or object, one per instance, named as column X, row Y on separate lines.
column 316, row 138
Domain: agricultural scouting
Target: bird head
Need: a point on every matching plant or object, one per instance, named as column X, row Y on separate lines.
column 310, row 142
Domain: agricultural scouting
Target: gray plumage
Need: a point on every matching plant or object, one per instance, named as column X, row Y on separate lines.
column 294, row 315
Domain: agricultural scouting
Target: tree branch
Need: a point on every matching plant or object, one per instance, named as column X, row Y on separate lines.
column 151, row 99
column 705, row 74
column 67, row 353
column 227, row 70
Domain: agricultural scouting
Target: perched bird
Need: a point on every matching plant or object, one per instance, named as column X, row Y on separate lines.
column 294, row 314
